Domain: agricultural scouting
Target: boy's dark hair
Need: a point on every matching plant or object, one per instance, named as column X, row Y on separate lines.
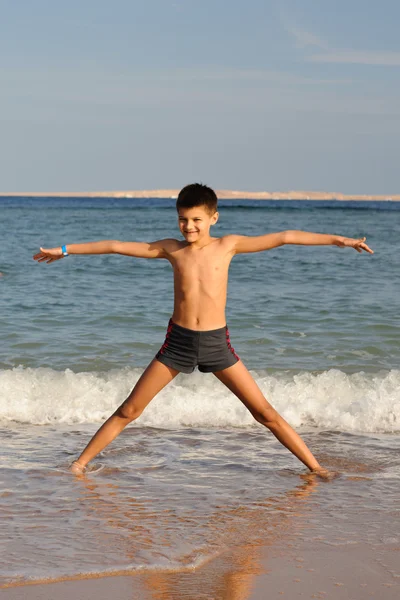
column 197, row 194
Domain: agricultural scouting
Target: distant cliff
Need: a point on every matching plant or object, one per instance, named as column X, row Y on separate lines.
column 223, row 194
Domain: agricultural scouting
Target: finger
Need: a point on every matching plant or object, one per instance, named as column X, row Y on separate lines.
column 367, row 248
column 362, row 246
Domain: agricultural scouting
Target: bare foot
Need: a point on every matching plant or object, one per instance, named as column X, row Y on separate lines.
column 325, row 474
column 77, row 468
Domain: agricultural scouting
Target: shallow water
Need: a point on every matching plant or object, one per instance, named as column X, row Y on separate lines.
column 173, row 499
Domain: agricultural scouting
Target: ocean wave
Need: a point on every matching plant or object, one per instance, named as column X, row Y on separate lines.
column 359, row 402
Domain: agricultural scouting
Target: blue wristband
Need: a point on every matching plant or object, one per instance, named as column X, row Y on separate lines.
column 64, row 250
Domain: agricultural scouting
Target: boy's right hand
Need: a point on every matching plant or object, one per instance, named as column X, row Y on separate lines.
column 49, row 255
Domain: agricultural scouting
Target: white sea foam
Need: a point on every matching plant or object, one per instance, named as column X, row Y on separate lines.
column 330, row 400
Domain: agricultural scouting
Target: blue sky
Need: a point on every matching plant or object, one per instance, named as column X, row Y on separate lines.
column 250, row 95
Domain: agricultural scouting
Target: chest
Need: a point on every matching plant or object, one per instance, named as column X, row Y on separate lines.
column 202, row 265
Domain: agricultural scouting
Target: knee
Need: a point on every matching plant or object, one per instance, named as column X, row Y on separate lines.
column 128, row 411
column 267, row 416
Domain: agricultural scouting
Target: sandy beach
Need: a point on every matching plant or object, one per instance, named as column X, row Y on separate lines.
column 283, row 568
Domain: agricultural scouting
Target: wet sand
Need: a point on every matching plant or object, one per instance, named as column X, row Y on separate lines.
column 336, row 539
column 299, row 571
column 307, row 551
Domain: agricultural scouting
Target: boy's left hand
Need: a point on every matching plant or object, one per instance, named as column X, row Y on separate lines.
column 358, row 245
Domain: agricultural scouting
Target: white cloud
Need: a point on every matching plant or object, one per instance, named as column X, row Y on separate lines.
column 360, row 57
column 304, row 38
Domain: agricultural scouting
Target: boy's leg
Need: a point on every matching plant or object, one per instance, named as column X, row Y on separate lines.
column 153, row 380
column 238, row 379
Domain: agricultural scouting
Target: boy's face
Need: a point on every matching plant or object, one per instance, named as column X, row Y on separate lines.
column 195, row 223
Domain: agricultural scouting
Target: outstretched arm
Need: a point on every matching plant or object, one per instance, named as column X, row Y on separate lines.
column 307, row 238
column 158, row 249
column 244, row 244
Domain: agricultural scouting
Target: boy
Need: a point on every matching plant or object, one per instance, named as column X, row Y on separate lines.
column 197, row 334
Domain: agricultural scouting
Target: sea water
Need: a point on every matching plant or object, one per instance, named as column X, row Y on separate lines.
column 318, row 327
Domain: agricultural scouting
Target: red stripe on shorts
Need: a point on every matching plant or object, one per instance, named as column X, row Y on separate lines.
column 165, row 344
column 231, row 348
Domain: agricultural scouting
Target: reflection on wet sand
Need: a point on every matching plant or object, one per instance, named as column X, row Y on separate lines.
column 230, row 576
column 224, row 569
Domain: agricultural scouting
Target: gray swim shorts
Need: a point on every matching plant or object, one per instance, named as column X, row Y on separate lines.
column 185, row 349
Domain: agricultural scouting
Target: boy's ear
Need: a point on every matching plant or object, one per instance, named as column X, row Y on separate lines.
column 214, row 218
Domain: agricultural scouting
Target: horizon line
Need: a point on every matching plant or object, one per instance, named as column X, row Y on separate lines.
column 223, row 194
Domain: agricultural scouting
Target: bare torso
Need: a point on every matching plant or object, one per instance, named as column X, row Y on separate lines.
column 200, row 283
